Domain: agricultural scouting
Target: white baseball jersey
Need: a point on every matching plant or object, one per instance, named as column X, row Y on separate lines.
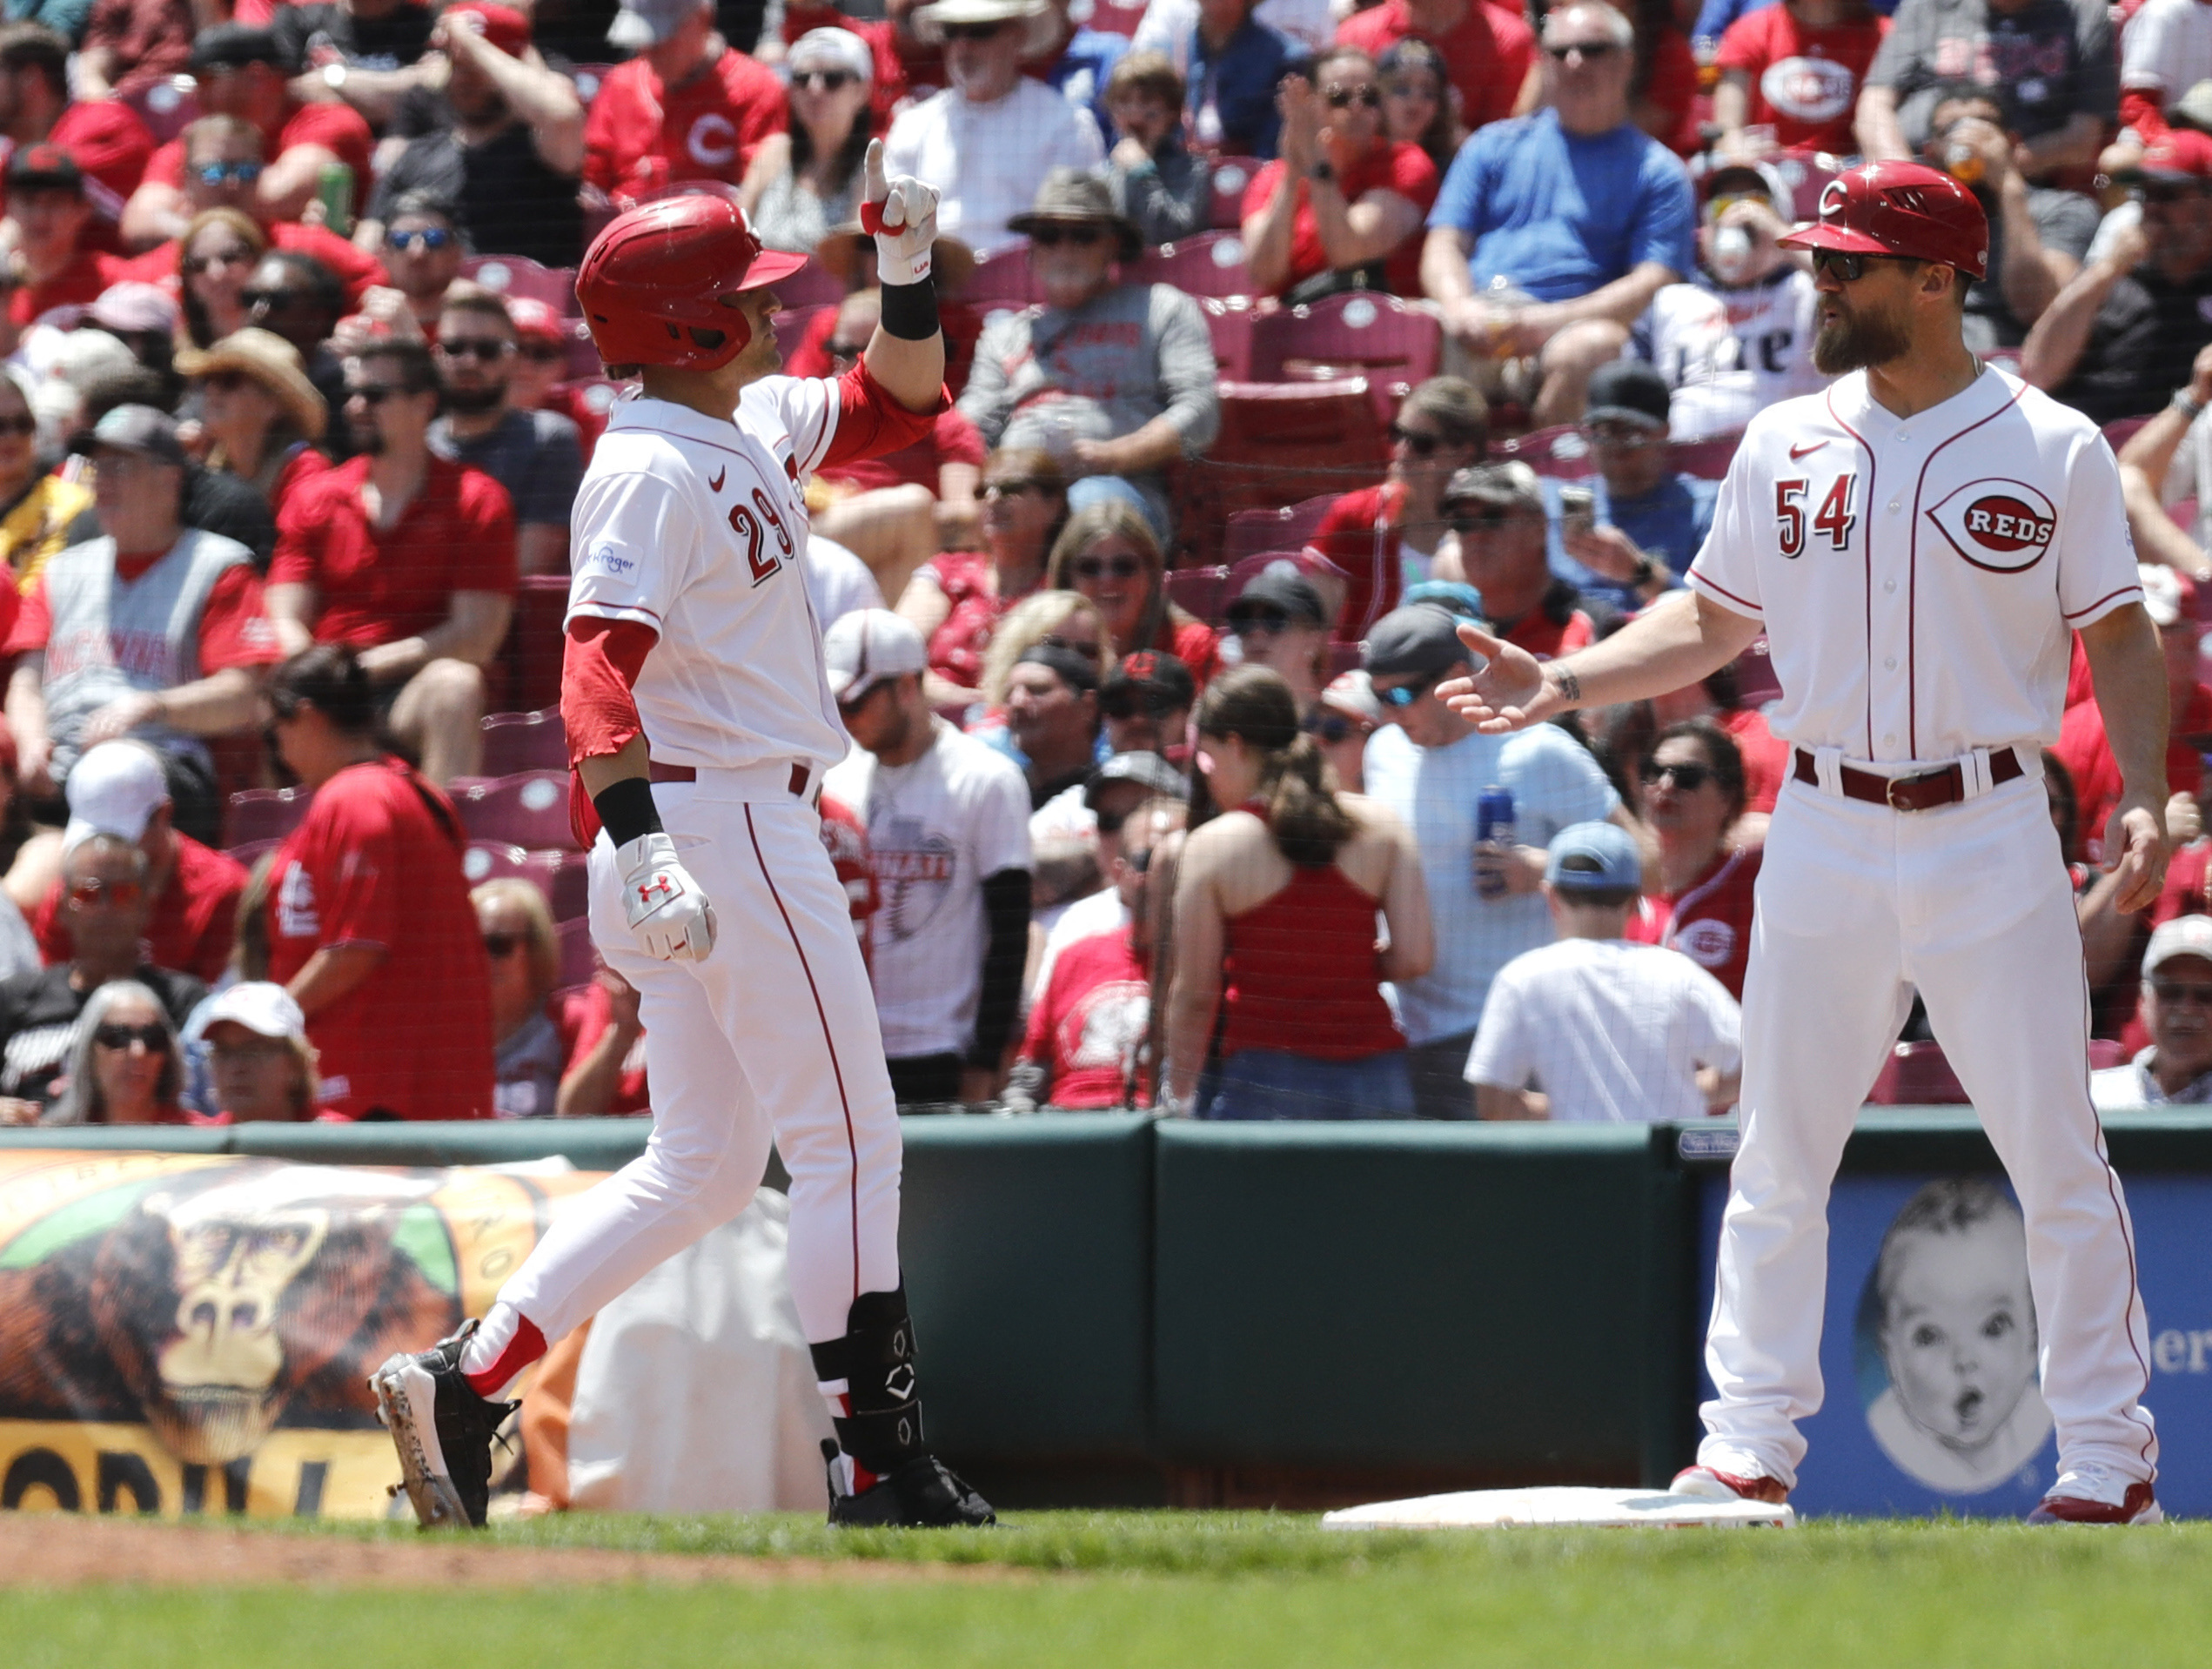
column 698, row 529
column 1919, row 576
column 2167, row 48
column 1730, row 354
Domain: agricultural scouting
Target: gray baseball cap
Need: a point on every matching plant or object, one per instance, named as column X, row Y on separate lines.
column 641, row 23
column 1149, row 769
column 1512, row 482
column 140, row 429
column 1419, row 642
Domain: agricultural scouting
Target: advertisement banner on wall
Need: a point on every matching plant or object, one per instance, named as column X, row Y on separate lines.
column 185, row 1334
column 1929, row 1345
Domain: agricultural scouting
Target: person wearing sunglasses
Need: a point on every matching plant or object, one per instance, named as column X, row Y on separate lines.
column 536, row 456
column 1385, row 538
column 1489, row 56
column 1694, row 797
column 104, row 922
column 510, row 153
column 541, row 368
column 1114, row 378
column 1280, row 622
column 262, row 415
column 404, row 557
column 126, row 1067
column 2175, row 1069
column 956, row 599
column 422, row 252
column 689, row 105
column 1420, row 105
column 1341, row 209
column 1500, row 529
column 1276, row 900
column 1641, row 521
column 1108, row 554
column 1550, row 237
column 802, row 183
column 535, row 1042
column 1146, row 703
column 1347, row 716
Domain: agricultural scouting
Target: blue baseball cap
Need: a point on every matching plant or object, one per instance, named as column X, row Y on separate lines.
column 1595, row 857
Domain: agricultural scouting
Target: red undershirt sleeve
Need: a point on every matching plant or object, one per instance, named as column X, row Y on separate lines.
column 871, row 423
column 599, row 664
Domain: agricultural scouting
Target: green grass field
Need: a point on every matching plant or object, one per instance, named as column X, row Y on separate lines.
column 1171, row 1589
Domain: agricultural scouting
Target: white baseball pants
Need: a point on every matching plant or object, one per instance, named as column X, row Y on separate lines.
column 772, row 1039
column 1856, row 905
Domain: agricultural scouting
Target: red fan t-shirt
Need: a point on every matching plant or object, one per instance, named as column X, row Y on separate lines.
column 234, row 629
column 583, row 1016
column 378, row 585
column 355, row 267
column 77, row 285
column 110, row 147
column 337, row 128
column 193, row 924
column 1087, row 1021
column 641, row 134
column 1804, row 81
column 1360, row 538
column 1404, row 169
column 377, row 862
column 1487, row 54
column 1709, row 920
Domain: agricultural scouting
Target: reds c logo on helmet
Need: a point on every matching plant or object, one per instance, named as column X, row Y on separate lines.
column 1899, row 208
column 656, row 285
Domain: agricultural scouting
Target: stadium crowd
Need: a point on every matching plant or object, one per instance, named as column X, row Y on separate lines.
column 1281, row 336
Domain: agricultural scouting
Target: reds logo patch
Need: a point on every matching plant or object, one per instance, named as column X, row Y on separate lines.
column 1809, row 89
column 1999, row 526
column 1706, row 942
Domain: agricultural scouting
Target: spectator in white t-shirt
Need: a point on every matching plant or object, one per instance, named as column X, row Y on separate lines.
column 2176, row 1010
column 948, row 822
column 1431, row 767
column 1593, row 1030
column 838, row 582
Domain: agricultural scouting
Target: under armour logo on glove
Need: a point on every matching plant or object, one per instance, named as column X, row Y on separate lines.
column 902, row 215
column 666, row 910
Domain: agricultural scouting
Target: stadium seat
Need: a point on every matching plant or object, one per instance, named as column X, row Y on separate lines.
column 1279, row 443
column 1707, row 460
column 493, row 861
column 1289, row 527
column 514, row 742
column 1394, row 344
column 1229, row 321
column 1916, row 1075
column 167, row 106
column 1211, row 264
column 579, row 962
column 1560, row 451
column 1203, row 592
column 264, row 815
column 520, row 277
column 250, row 852
column 530, row 811
column 1002, row 281
column 2120, row 431
column 531, row 656
column 564, row 878
column 1232, row 175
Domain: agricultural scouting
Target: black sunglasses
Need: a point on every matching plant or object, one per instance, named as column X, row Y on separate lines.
column 844, row 350
column 823, row 81
column 1482, row 521
column 1848, row 266
column 1344, row 97
column 421, row 237
column 501, row 946
column 1127, row 701
column 1013, row 489
column 275, row 301
column 1418, row 442
column 1688, row 777
column 1258, row 618
column 1590, row 50
column 18, row 425
column 1331, row 727
column 1122, row 567
column 373, row 393
column 488, row 349
column 1080, row 236
column 971, row 31
column 153, row 1035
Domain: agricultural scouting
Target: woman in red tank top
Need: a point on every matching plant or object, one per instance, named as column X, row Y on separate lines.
column 1275, row 929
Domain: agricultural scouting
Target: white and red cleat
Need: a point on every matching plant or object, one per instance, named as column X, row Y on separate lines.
column 1710, row 1485
column 2080, row 1497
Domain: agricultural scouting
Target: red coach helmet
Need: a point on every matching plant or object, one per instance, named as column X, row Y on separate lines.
column 1899, row 208
column 652, row 284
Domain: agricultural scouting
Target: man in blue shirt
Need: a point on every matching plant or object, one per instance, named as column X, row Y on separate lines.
column 1646, row 522
column 1553, row 231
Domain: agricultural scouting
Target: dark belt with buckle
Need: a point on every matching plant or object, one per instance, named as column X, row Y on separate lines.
column 1945, row 786
column 800, row 775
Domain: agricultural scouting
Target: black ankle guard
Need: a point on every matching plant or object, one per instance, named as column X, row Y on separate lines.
column 876, row 1360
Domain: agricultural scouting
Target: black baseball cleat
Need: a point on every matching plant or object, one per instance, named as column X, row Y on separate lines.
column 444, row 1432
column 923, row 1493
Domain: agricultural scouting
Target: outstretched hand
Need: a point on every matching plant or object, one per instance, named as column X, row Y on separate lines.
column 1507, row 692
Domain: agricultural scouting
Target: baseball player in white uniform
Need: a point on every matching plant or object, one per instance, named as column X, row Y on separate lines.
column 1919, row 540
column 701, row 722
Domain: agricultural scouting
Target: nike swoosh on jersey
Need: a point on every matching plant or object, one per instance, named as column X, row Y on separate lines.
column 720, row 475
column 1796, row 453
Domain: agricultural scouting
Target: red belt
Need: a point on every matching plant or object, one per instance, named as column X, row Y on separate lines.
column 658, row 773
column 1945, row 786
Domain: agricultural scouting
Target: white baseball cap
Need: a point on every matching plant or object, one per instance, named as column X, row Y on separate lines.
column 114, row 789
column 865, row 648
column 259, row 1006
column 2185, row 935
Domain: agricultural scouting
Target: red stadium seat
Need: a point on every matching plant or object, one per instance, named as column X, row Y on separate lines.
column 2107, row 1052
column 1232, row 176
column 1393, row 343
column 563, row 877
column 520, row 277
column 579, row 962
column 1560, row 451
column 1916, row 1075
column 2120, row 431
column 1203, row 592
column 530, row 811
column 1114, row 18
column 1279, row 443
column 493, row 861
column 1287, row 528
column 251, row 852
column 1706, row 459
column 514, row 742
column 1229, row 321
column 264, row 815
column 167, row 106
column 531, row 657
column 1002, row 279
column 1211, row 264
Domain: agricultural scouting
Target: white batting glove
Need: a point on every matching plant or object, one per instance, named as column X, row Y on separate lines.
column 902, row 213
column 666, row 909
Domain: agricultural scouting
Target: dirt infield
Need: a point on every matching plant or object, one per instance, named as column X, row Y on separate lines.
column 61, row 1550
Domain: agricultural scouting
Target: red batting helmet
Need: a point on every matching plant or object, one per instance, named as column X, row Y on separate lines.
column 652, row 285
column 1899, row 208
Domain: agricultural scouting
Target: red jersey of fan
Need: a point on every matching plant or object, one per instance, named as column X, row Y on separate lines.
column 355, row 267
column 1766, row 757
column 1487, row 54
column 234, row 629
column 1359, row 535
column 1404, row 169
column 1300, row 974
column 77, row 285
column 641, row 134
column 1554, row 628
column 1089, row 1022
column 337, row 128
column 378, row 862
column 1709, row 920
column 378, row 585
column 110, row 147
column 583, row 1016
column 1805, row 82
column 2084, row 750
column 952, row 439
column 845, row 837
column 193, row 924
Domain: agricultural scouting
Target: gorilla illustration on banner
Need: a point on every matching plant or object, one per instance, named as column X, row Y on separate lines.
column 185, row 1333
